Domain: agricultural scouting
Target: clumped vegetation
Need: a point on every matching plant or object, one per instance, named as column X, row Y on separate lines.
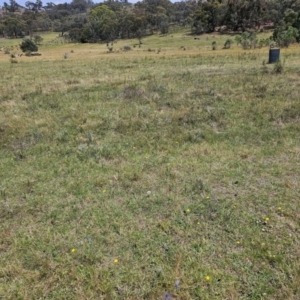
column 228, row 44
column 278, row 67
column 142, row 176
column 214, row 45
column 37, row 39
column 28, row 45
column 84, row 21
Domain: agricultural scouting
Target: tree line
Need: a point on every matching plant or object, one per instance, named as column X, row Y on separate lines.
column 83, row 21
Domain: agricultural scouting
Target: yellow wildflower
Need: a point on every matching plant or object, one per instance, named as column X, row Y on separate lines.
column 73, row 250
column 207, row 278
column 116, row 260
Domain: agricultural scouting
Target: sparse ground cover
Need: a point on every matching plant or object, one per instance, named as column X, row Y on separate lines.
column 149, row 174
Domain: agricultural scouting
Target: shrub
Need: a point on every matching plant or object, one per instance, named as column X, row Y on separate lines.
column 214, row 45
column 38, row 39
column 285, row 37
column 227, row 44
column 278, row 67
column 264, row 68
column 164, row 28
column 76, row 35
column 247, row 40
column 263, row 42
column 28, row 45
column 238, row 39
column 126, row 48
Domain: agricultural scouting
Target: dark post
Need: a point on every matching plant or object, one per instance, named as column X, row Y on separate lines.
column 274, row 55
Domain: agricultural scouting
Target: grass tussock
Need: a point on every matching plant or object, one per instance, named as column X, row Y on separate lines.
column 138, row 176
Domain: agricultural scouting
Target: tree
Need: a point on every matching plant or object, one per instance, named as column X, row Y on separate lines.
column 14, row 27
column 207, row 16
column 13, row 6
column 130, row 21
column 5, row 7
column 183, row 11
column 62, row 26
column 2, row 27
column 28, row 45
column 30, row 5
column 80, row 5
column 103, row 22
column 75, row 35
column 244, row 14
column 39, row 4
column 285, row 36
column 49, row 6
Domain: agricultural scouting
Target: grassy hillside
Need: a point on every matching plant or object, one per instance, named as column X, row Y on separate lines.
column 170, row 170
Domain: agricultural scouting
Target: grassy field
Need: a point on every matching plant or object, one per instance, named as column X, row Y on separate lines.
column 169, row 171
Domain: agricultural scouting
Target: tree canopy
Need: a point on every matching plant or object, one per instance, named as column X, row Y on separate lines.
column 84, row 21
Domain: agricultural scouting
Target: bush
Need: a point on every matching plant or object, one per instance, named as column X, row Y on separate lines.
column 247, row 40
column 164, row 28
column 238, row 39
column 285, row 37
column 28, row 45
column 214, row 45
column 264, row 42
column 227, row 44
column 75, row 35
column 278, row 67
column 38, row 39
column 126, row 48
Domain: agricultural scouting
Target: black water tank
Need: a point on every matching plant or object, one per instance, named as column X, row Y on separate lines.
column 274, row 55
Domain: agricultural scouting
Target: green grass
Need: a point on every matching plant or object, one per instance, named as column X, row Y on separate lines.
column 181, row 165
